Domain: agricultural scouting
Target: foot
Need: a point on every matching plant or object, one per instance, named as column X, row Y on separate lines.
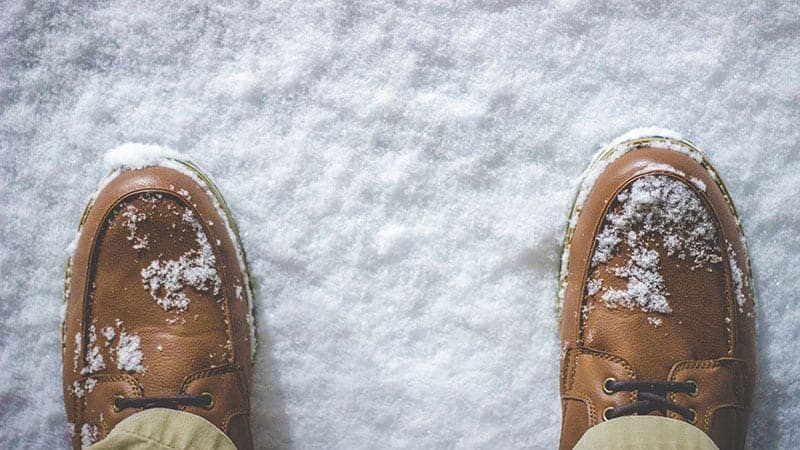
column 657, row 306
column 158, row 306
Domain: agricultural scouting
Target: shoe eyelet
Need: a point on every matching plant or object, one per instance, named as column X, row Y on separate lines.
column 607, row 389
column 693, row 420
column 210, row 398
column 116, row 407
column 606, row 412
column 695, row 390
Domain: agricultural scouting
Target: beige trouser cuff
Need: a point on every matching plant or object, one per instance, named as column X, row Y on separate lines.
column 165, row 429
column 169, row 429
column 645, row 432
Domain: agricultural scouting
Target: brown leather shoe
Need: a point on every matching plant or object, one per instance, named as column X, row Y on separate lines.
column 157, row 306
column 657, row 305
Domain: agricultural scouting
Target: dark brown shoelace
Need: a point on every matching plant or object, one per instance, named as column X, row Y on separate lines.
column 652, row 396
column 204, row 400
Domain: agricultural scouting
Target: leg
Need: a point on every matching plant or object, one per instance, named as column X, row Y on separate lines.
column 165, row 429
column 645, row 433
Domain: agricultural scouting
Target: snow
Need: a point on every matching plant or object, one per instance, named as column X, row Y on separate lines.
column 94, row 359
column 81, row 389
column 89, row 384
column 739, row 279
column 593, row 286
column 89, row 435
column 645, row 286
column 131, row 155
column 77, row 389
column 168, row 281
column 465, row 123
column 129, row 353
column 654, row 211
column 130, row 218
column 653, row 167
column 698, row 183
column 109, row 333
column 76, row 355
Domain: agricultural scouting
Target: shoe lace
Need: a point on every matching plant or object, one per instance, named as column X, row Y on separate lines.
column 652, row 396
column 204, row 400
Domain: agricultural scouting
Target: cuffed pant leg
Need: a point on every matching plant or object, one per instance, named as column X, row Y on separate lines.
column 160, row 428
column 645, row 433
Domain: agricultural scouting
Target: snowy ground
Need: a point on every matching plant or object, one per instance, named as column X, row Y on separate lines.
column 402, row 174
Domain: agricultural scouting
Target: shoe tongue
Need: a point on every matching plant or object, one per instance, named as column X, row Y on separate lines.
column 656, row 293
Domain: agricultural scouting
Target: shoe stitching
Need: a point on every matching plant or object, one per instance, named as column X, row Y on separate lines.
column 234, row 368
column 81, row 404
column 711, row 410
column 589, row 404
column 82, row 401
column 733, row 365
column 229, row 415
column 596, row 354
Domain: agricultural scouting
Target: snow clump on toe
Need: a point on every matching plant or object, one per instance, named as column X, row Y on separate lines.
column 166, row 280
column 130, row 218
column 654, row 210
column 135, row 156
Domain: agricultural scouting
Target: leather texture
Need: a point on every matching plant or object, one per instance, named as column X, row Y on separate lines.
column 707, row 337
column 197, row 341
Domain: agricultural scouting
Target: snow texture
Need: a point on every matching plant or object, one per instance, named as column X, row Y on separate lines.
column 109, row 333
column 167, row 281
column 129, row 353
column 739, row 278
column 134, row 156
column 89, row 435
column 94, row 359
column 655, row 210
column 401, row 173
column 130, row 218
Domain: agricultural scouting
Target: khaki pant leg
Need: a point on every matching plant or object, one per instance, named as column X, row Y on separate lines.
column 645, row 433
column 160, row 428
